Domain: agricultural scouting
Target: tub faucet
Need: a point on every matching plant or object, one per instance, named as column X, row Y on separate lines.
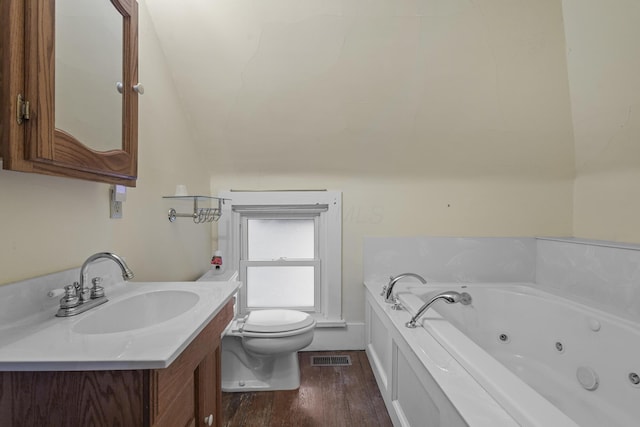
column 450, row 297
column 79, row 297
column 387, row 291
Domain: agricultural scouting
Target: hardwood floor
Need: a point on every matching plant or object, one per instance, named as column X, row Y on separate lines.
column 327, row 397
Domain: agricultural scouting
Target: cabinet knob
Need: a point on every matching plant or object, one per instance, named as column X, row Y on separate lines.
column 139, row 88
column 209, row 420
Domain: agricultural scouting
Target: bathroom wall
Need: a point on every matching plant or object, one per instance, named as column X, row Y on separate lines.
column 604, row 77
column 434, row 117
column 404, row 206
column 50, row 224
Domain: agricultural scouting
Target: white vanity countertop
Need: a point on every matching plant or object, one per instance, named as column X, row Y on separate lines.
column 43, row 342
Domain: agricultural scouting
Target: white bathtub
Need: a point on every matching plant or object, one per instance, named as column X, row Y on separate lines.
column 524, row 347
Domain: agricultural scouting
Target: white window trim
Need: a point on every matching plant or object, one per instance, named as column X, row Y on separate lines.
column 328, row 203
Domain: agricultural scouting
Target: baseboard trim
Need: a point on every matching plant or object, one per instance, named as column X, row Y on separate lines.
column 350, row 337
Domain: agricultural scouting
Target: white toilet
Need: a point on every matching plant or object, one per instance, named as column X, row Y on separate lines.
column 260, row 351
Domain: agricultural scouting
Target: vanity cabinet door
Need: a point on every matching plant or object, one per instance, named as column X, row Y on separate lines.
column 188, row 391
column 30, row 140
column 208, row 377
column 181, row 410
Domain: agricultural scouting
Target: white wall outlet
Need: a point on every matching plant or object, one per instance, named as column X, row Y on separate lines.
column 115, row 206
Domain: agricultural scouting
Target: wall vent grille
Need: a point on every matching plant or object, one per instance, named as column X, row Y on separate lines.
column 341, row 360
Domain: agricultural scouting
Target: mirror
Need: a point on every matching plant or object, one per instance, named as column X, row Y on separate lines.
column 88, row 66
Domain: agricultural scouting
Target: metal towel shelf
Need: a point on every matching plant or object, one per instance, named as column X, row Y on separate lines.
column 199, row 215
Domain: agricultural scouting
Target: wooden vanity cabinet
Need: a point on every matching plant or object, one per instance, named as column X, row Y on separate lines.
column 187, row 393
column 29, row 139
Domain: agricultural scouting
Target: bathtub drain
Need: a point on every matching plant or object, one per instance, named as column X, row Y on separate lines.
column 634, row 378
column 559, row 346
column 504, row 338
column 588, row 378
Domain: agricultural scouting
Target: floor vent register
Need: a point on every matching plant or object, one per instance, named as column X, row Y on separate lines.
column 331, row 360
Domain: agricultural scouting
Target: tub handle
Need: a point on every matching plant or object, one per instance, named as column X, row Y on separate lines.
column 397, row 305
column 465, row 299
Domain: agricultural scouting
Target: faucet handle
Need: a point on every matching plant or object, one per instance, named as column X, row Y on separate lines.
column 384, row 290
column 397, row 305
column 70, row 298
column 97, row 291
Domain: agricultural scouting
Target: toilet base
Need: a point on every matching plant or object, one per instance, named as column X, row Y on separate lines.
column 242, row 371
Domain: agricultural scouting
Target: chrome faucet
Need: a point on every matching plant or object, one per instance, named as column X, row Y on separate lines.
column 79, row 298
column 387, row 291
column 450, row 297
column 127, row 274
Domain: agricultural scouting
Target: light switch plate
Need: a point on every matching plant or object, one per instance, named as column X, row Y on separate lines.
column 115, row 207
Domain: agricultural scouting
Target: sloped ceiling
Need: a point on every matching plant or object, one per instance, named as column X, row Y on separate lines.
column 443, row 88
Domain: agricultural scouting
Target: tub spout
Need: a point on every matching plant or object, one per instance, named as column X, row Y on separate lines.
column 450, row 297
column 387, row 291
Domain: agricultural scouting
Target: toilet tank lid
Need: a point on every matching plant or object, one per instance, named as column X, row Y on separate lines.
column 276, row 320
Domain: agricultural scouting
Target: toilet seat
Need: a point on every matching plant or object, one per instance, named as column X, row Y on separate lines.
column 277, row 322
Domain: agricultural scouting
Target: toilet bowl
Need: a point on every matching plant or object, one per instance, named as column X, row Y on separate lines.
column 259, row 351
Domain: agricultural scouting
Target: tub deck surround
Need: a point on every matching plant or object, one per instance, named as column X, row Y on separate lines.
column 451, row 259
column 597, row 273
column 515, row 333
column 602, row 274
column 457, row 399
column 39, row 341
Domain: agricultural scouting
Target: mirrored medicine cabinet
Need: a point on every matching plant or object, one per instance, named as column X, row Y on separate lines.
column 69, row 88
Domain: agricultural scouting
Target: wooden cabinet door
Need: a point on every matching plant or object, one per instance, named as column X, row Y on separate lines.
column 197, row 402
column 207, row 397
column 181, row 411
column 31, row 142
column 189, row 388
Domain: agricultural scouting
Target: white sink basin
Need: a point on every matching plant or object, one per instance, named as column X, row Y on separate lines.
column 139, row 311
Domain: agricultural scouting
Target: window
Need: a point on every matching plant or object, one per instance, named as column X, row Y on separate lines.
column 286, row 247
column 280, row 260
